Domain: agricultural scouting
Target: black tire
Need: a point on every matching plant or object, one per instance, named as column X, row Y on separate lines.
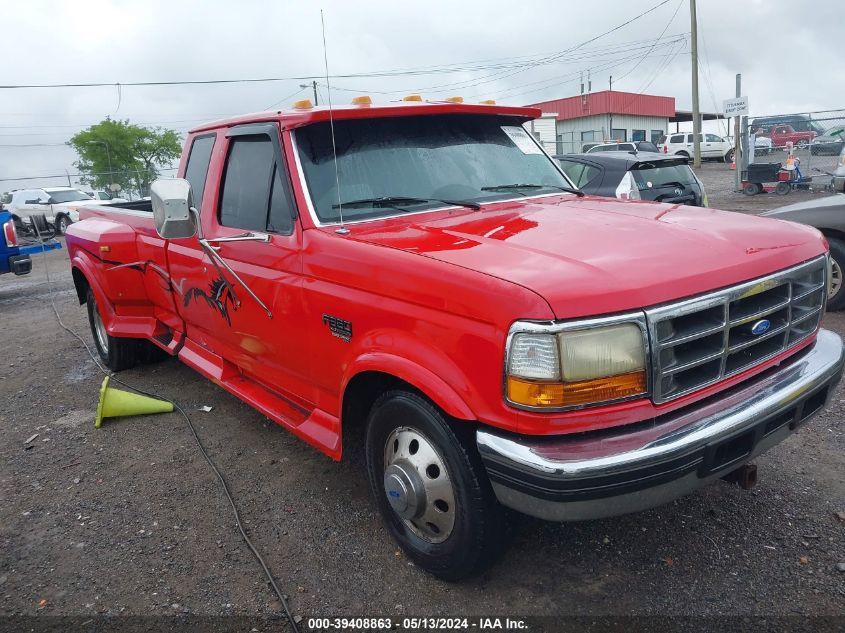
column 837, row 255
column 729, row 157
column 61, row 222
column 751, row 189
column 802, row 144
column 480, row 524
column 783, row 188
column 118, row 353
column 684, row 154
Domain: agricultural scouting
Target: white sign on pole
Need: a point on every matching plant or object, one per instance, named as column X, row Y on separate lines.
column 738, row 106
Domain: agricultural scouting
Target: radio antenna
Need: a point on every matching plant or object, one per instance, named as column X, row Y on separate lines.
column 342, row 230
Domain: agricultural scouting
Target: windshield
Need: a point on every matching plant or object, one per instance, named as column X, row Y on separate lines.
column 454, row 157
column 655, row 175
column 70, row 195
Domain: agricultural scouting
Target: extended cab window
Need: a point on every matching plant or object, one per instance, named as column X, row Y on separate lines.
column 255, row 196
column 197, row 168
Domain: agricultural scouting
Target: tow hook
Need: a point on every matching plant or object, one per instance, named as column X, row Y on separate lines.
column 745, row 476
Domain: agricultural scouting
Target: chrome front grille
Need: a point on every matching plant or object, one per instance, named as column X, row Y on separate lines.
column 700, row 341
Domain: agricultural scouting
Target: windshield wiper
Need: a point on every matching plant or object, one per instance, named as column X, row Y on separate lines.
column 577, row 192
column 392, row 201
column 671, row 183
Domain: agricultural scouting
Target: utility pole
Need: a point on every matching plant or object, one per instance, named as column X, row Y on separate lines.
column 313, row 85
column 610, row 100
column 696, row 114
column 737, row 145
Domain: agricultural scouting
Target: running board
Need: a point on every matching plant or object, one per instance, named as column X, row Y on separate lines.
column 316, row 427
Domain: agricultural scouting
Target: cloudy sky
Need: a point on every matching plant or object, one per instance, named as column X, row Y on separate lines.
column 788, row 52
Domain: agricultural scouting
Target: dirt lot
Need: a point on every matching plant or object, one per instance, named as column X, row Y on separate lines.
column 129, row 520
column 719, row 183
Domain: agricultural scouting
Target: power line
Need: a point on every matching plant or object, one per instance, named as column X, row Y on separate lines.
column 98, row 173
column 388, row 73
column 648, row 52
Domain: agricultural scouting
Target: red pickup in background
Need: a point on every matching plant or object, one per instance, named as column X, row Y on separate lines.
column 783, row 134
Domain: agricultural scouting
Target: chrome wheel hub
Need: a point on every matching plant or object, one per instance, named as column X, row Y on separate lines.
column 417, row 485
column 835, row 278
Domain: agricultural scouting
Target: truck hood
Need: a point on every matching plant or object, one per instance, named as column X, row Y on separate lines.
column 594, row 255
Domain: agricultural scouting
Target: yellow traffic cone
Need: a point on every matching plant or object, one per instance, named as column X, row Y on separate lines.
column 115, row 403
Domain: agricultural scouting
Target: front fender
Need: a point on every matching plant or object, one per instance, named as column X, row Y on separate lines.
column 428, row 382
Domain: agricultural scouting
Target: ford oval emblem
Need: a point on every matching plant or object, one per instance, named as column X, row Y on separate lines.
column 761, row 327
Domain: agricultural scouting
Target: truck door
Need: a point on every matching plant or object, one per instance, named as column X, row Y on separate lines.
column 246, row 193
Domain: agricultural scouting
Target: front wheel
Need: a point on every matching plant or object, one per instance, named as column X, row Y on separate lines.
column 729, row 157
column 783, row 188
column 430, row 486
column 836, row 294
column 802, row 144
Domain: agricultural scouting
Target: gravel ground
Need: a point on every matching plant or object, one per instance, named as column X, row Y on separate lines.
column 129, row 520
column 719, row 182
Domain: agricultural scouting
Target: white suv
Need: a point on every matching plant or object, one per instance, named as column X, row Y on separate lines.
column 59, row 204
column 712, row 146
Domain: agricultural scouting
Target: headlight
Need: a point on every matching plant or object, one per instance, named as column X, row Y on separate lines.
column 576, row 367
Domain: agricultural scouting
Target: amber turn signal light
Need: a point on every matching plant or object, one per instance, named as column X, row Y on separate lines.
column 596, row 390
column 303, row 104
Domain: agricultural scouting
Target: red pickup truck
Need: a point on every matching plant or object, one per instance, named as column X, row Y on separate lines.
column 425, row 273
column 783, row 134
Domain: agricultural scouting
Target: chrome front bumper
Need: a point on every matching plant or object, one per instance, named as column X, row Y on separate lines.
column 631, row 468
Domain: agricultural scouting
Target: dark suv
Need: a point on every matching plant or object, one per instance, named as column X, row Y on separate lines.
column 635, row 176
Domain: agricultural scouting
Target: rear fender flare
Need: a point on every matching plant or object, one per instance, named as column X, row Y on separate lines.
column 82, row 263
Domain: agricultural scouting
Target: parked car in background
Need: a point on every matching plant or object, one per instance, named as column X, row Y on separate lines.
column 839, row 173
column 783, row 134
column 621, row 146
column 58, row 204
column 830, row 142
column 105, row 196
column 798, row 122
column 762, row 145
column 828, row 216
column 640, row 176
column 711, row 146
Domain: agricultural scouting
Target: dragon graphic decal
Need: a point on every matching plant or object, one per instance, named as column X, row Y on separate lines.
column 219, row 298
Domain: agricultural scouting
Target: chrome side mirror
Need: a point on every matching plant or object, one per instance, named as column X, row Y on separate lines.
column 172, row 202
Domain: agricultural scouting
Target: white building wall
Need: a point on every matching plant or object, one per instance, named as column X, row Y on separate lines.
column 572, row 134
column 544, row 130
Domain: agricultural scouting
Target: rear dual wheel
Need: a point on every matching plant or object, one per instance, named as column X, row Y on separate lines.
column 116, row 352
column 431, row 487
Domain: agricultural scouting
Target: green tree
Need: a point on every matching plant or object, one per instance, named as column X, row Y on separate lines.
column 119, row 152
